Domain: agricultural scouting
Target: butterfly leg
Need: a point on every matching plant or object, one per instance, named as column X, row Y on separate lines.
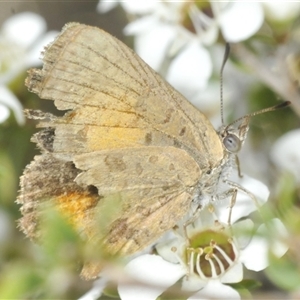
column 231, row 205
column 242, row 189
column 233, row 191
column 237, row 162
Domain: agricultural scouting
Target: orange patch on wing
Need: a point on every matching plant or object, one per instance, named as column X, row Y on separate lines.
column 76, row 207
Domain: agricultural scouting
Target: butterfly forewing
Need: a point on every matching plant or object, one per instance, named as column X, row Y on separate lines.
column 114, row 94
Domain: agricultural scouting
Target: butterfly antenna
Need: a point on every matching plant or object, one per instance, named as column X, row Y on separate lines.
column 262, row 111
column 226, row 55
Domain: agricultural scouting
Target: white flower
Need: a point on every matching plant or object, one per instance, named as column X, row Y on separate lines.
column 239, row 20
column 9, row 101
column 285, row 153
column 211, row 257
column 22, row 39
column 208, row 260
column 172, row 37
column 96, row 291
column 269, row 237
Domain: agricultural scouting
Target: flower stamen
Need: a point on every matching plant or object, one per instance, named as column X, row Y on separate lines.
column 218, row 250
column 213, row 269
column 224, row 254
column 221, row 266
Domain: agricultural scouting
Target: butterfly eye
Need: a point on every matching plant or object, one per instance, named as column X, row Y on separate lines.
column 232, row 143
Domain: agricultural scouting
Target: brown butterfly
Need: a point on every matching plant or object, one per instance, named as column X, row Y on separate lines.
column 129, row 153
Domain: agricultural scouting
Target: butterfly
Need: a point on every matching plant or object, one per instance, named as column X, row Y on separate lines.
column 129, row 155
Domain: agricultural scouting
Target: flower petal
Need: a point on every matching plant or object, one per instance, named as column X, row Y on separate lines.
column 105, row 6
column 11, row 101
column 242, row 232
column 240, row 20
column 24, row 28
column 96, row 291
column 206, row 28
column 153, row 273
column 255, row 255
column 192, row 283
column 165, row 248
column 141, row 25
column 234, row 274
column 152, row 45
column 216, row 290
column 4, row 113
column 140, row 7
column 190, row 70
column 279, row 233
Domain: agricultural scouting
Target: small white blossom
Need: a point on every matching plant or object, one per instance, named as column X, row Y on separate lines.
column 212, row 256
column 22, row 39
column 96, row 291
column 239, row 20
column 203, row 267
column 9, row 101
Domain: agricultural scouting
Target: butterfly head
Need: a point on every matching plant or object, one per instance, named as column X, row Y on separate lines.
column 233, row 137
